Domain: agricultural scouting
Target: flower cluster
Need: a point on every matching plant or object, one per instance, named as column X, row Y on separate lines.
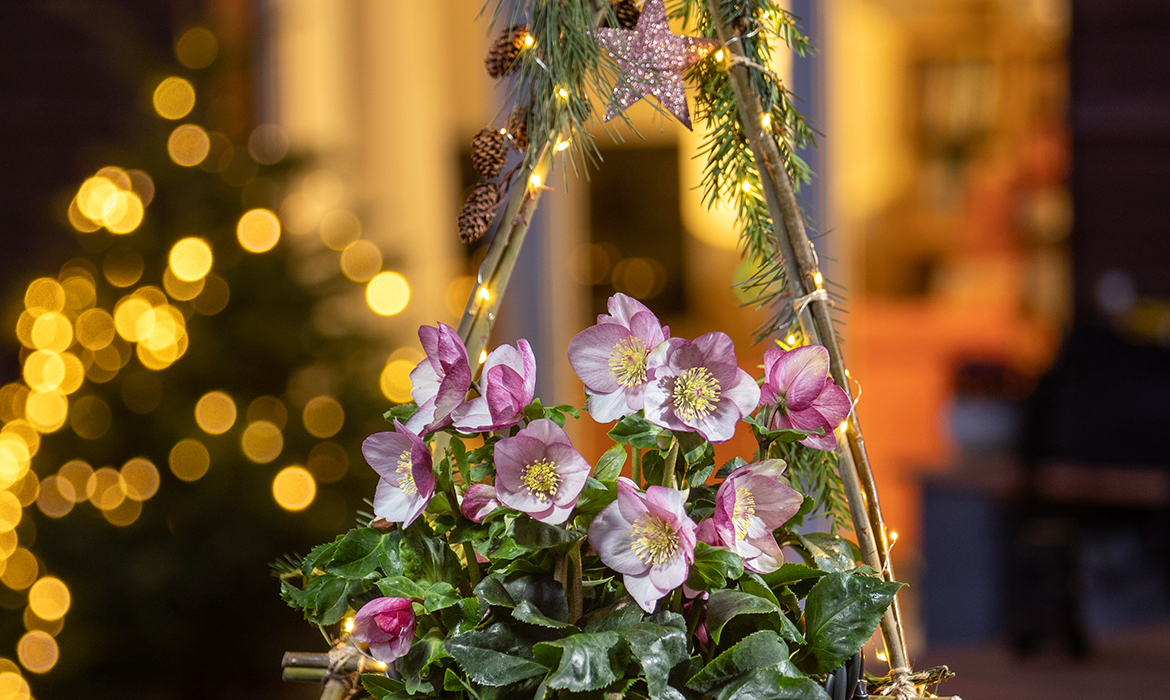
column 562, row 539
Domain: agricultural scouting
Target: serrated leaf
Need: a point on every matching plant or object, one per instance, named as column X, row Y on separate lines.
column 493, row 657
column 320, row 556
column 402, row 412
column 725, row 604
column 770, row 684
column 584, row 661
column 537, row 535
column 327, row 598
column 462, row 617
column 415, row 664
column 542, row 592
column 382, row 688
column 759, row 650
column 830, row 553
column 425, row 557
column 659, row 649
column 730, row 466
column 713, row 566
column 401, row 587
column 439, row 596
column 790, row 572
column 609, row 467
column 636, row 431
column 616, row 617
column 525, row 611
column 841, row 612
column 362, row 552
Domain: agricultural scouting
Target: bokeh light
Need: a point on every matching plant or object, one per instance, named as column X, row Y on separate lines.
column 388, row 293
column 44, row 370
column 328, row 462
column 339, row 228
column 75, row 473
column 395, row 380
column 189, row 460
column 122, row 266
column 181, row 290
column 188, row 145
column 215, row 412
column 52, row 499
column 125, row 513
column 196, row 48
column 140, row 478
column 79, row 290
column 46, row 410
column 44, row 296
column 142, row 186
column 37, row 651
column 21, row 571
column 294, row 488
column 268, row 408
column 13, row 687
column 49, row 598
column 190, row 259
column 124, row 214
column 34, row 622
column 174, row 98
column 258, row 230
column 361, row 260
column 262, row 442
column 127, row 313
column 106, row 488
column 10, row 511
column 53, row 332
column 323, row 416
column 214, row 297
column 26, row 489
column 95, row 329
column 268, row 144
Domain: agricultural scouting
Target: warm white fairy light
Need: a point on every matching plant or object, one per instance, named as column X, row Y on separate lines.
column 719, row 55
column 791, row 339
column 563, row 93
column 482, row 356
column 747, row 186
column 534, row 182
column 843, row 427
column 348, row 624
column 818, row 278
column 561, row 145
column 484, row 294
column 766, row 120
column 529, row 41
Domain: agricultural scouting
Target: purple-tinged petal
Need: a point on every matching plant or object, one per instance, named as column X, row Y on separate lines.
column 383, row 450
column 643, row 591
column 609, row 534
column 479, row 502
column 811, row 419
column 833, row 403
column 629, row 500
column 801, row 374
column 589, row 355
column 605, row 408
column 623, row 308
column 473, row 416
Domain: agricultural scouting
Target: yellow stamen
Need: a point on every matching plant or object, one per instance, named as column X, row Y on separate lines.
column 406, row 474
column 695, row 393
column 744, row 511
column 655, row 541
column 627, row 361
column 542, row 479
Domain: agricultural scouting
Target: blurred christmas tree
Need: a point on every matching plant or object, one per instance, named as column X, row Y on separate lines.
column 176, row 414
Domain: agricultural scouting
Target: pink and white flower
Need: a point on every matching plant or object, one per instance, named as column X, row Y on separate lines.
column 403, row 461
column 648, row 538
column 798, row 384
column 539, row 472
column 479, row 502
column 507, row 385
column 749, row 505
column 387, row 626
column 440, row 382
column 610, row 357
column 698, row 387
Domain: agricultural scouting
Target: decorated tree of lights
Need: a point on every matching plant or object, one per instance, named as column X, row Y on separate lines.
column 536, row 610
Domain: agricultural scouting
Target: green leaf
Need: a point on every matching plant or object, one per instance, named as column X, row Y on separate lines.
column 730, row 466
column 790, row 572
column 542, row 592
column 659, row 649
column 770, row 684
column 762, row 649
column 713, row 566
column 537, row 535
column 841, row 612
column 402, row 412
column 636, row 431
column 327, row 598
column 452, row 682
column 751, row 582
column 464, row 616
column 584, row 661
column 617, row 617
column 425, row 557
column 566, row 409
column 382, row 688
column 361, row 552
column 417, row 661
column 320, row 556
column 494, row 656
column 527, row 612
column 401, row 587
column 592, row 501
column 726, row 604
column 439, row 596
column 508, row 549
column 609, row 467
column 830, row 553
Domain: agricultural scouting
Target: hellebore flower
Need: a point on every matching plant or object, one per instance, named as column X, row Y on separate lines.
column 387, row 625
column 797, row 382
column 440, row 382
column 479, row 502
column 408, row 482
column 749, row 505
column 697, row 387
column 539, row 472
column 610, row 357
column 507, row 386
column 648, row 538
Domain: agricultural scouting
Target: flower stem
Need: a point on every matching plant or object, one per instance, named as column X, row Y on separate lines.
column 637, row 466
column 574, row 589
column 668, row 479
column 472, row 564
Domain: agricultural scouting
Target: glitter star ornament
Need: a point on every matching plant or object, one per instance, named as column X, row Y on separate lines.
column 652, row 59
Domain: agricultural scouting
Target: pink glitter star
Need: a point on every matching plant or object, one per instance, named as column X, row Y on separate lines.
column 653, row 60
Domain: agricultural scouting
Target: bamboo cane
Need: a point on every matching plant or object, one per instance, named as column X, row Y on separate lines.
column 800, row 262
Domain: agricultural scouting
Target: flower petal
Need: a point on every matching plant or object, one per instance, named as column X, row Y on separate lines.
column 643, row 591
column 383, row 450
column 605, row 408
column 801, row 375
column 589, row 354
column 609, row 534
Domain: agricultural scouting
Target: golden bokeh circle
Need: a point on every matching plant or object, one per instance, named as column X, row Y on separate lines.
column 262, row 442
column 37, row 651
column 189, row 460
column 388, row 293
column 215, row 412
column 188, row 145
column 395, row 380
column 340, row 228
column 10, row 511
column 140, row 478
column 106, row 488
column 12, row 686
column 174, row 98
column 44, row 370
column 323, row 416
column 95, row 329
column 51, row 499
column 294, row 488
column 124, row 514
column 268, row 408
column 190, row 259
column 49, row 598
column 258, row 230
column 196, row 48
column 46, row 410
column 21, row 570
column 361, row 261
column 44, row 296
column 52, row 331
column 181, row 290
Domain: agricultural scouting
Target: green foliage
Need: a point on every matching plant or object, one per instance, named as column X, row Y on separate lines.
column 842, row 611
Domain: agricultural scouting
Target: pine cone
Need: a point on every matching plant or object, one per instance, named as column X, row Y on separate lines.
column 518, row 128
column 478, row 211
column 488, row 150
column 627, row 14
column 504, row 51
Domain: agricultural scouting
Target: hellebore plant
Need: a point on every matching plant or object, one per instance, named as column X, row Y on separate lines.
column 501, row 562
